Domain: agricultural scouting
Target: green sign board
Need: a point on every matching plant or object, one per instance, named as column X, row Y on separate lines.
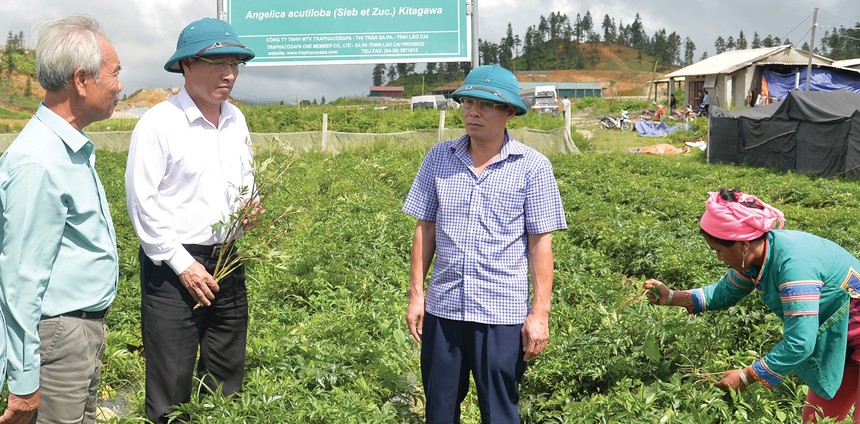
column 283, row 32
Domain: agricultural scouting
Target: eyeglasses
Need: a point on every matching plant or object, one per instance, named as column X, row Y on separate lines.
column 221, row 65
column 482, row 105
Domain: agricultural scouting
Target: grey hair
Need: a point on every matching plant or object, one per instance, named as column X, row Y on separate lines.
column 65, row 45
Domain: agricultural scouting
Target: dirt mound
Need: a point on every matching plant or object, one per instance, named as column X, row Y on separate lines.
column 622, row 70
column 133, row 106
column 146, row 98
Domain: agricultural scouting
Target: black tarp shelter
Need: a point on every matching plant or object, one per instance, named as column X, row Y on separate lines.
column 810, row 131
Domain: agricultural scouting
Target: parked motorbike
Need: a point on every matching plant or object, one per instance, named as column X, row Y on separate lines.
column 647, row 114
column 608, row 122
column 689, row 114
column 654, row 115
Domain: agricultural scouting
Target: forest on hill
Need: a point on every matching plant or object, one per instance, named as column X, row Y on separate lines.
column 839, row 44
column 20, row 94
column 555, row 42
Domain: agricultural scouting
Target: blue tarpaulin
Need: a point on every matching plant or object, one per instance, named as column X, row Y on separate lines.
column 656, row 129
column 823, row 79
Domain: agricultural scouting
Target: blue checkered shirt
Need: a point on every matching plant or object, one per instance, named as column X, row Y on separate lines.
column 481, row 269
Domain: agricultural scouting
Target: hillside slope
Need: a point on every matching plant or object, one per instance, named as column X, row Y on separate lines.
column 621, row 71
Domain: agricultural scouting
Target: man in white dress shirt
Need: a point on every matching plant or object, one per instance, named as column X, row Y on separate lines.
column 188, row 161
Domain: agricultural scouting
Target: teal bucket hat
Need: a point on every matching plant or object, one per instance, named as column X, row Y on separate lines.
column 206, row 37
column 493, row 83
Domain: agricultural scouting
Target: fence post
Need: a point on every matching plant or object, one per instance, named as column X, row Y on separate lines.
column 325, row 132
column 569, row 145
column 441, row 132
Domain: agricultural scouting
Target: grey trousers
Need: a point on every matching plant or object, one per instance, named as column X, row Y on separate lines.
column 71, row 354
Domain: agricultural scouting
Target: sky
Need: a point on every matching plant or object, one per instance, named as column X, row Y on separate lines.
column 144, row 33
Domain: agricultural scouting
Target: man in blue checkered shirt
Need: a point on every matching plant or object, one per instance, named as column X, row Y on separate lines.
column 486, row 207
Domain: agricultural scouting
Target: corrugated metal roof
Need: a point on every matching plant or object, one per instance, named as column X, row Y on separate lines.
column 565, row 85
column 783, row 63
column 847, row 63
column 392, row 88
column 805, row 64
column 728, row 62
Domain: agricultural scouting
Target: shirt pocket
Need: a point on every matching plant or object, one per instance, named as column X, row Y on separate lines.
column 506, row 208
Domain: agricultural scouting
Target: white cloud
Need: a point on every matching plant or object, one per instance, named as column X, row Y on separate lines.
column 144, row 33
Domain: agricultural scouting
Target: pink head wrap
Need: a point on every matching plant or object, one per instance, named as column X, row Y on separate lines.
column 733, row 221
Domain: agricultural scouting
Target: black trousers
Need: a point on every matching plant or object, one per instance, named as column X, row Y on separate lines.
column 173, row 332
column 492, row 354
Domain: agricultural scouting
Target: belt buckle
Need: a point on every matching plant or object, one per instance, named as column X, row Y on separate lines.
column 216, row 250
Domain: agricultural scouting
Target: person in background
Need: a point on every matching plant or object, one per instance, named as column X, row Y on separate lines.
column 58, row 256
column 673, row 103
column 188, row 163
column 565, row 107
column 706, row 102
column 486, row 207
column 658, row 116
column 811, row 283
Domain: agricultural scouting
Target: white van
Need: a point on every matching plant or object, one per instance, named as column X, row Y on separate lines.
column 543, row 99
column 429, row 102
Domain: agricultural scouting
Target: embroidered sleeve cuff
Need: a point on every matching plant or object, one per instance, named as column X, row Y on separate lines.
column 765, row 375
column 697, row 301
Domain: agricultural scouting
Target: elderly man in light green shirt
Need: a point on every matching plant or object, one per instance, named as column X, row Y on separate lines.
column 58, row 257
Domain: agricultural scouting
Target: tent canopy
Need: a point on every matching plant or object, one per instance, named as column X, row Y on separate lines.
column 811, row 132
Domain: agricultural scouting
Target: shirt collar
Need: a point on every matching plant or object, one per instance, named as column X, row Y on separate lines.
column 193, row 113
column 510, row 147
column 71, row 137
column 756, row 276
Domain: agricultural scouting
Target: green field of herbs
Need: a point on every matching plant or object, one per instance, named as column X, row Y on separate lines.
column 328, row 343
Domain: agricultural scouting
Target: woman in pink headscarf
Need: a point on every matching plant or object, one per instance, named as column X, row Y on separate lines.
column 811, row 283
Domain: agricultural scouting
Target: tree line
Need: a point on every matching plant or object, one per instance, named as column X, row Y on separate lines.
column 12, row 52
column 841, row 43
column 556, row 42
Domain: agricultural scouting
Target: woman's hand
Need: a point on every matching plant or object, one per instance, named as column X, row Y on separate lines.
column 656, row 291
column 733, row 380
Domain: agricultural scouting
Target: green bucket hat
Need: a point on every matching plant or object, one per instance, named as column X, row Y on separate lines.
column 206, row 37
column 494, row 83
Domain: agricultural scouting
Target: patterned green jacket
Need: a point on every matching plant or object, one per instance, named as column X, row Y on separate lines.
column 806, row 281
